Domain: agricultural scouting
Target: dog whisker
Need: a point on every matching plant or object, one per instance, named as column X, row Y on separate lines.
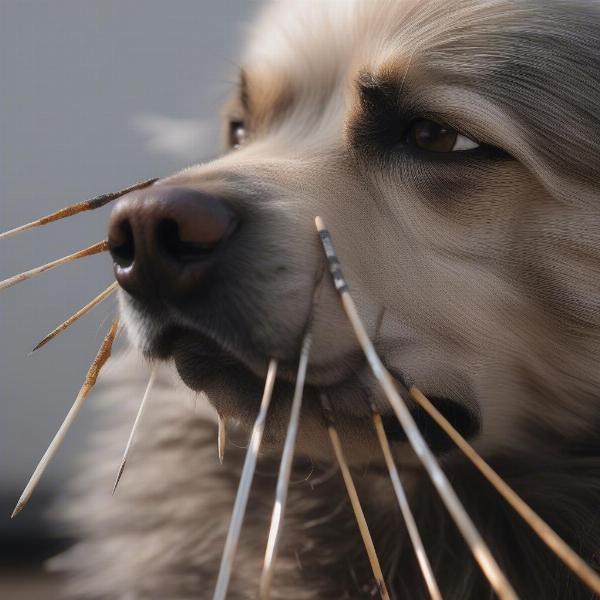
column 285, row 469
column 307, row 476
column 478, row 547
column 73, row 209
column 541, row 528
column 411, row 526
column 327, row 518
column 134, row 428
column 76, row 316
column 90, row 381
column 241, row 499
column 354, row 499
column 89, row 251
column 324, row 477
column 221, row 437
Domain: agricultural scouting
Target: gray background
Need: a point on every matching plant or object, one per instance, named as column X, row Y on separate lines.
column 94, row 95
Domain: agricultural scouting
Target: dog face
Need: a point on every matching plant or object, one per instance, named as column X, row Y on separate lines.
column 453, row 149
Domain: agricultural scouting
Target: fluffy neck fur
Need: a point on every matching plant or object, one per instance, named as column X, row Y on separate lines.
column 162, row 535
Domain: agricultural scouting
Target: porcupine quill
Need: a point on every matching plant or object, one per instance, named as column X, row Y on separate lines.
column 76, row 316
column 78, row 207
column 90, row 381
column 478, row 547
column 134, row 428
column 89, row 251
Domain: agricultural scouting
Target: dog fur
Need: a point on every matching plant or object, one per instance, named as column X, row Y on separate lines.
column 483, row 263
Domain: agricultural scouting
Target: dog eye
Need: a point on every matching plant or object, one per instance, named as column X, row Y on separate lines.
column 237, row 133
column 433, row 137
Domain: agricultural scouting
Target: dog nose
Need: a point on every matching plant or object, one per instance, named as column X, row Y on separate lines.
column 163, row 240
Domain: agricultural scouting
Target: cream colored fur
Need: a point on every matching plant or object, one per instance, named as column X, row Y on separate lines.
column 486, row 268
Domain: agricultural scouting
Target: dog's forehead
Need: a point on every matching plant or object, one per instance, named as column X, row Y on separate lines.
column 329, row 37
column 320, row 40
column 307, row 55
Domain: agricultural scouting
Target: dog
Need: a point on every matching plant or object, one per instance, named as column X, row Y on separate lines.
column 453, row 148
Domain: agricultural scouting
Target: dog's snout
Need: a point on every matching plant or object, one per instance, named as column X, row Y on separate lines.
column 165, row 239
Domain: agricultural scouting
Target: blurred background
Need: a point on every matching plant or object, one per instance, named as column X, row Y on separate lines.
column 95, row 94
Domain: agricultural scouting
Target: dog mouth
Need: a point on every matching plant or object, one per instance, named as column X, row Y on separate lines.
column 206, row 365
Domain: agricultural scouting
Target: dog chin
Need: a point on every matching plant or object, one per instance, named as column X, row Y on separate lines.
column 234, row 386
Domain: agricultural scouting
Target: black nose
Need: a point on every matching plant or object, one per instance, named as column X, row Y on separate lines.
column 164, row 240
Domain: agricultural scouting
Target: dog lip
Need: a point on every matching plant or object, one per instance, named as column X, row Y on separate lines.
column 200, row 358
column 168, row 342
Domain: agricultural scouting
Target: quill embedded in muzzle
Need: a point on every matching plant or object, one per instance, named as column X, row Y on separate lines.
column 285, row 468
column 409, row 520
column 478, row 547
column 241, row 499
column 221, row 437
column 541, row 528
column 354, row 499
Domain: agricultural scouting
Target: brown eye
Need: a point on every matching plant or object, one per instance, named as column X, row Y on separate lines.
column 237, row 133
column 433, row 137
